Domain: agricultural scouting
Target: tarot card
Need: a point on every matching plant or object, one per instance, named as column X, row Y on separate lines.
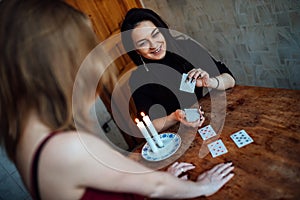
column 217, row 148
column 241, row 138
column 187, row 85
column 207, row 132
column 192, row 114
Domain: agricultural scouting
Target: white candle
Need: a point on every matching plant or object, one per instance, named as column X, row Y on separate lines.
column 152, row 129
column 146, row 135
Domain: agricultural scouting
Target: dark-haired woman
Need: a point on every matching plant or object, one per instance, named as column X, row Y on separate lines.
column 162, row 59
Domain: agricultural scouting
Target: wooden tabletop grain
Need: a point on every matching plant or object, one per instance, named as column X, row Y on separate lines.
column 268, row 168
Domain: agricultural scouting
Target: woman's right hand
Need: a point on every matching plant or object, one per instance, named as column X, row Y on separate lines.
column 178, row 168
column 200, row 76
column 213, row 179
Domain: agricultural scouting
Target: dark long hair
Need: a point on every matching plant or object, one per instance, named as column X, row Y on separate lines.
column 133, row 17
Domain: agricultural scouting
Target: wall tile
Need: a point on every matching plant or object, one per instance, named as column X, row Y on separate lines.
column 11, row 185
column 9, row 189
column 8, row 166
column 295, row 21
column 283, row 19
column 245, row 34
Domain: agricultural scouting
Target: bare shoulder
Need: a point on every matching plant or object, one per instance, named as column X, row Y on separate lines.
column 72, row 145
column 66, row 161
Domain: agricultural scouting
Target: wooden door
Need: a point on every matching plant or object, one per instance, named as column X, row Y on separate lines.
column 106, row 17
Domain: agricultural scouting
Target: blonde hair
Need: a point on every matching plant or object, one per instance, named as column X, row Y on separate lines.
column 43, row 44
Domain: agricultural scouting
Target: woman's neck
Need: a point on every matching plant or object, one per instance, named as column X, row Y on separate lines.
column 34, row 132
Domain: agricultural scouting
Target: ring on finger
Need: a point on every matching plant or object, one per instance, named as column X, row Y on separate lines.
column 222, row 174
column 182, row 170
column 200, row 75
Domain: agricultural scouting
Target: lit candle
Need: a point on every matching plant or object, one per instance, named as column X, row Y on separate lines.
column 153, row 131
column 146, row 135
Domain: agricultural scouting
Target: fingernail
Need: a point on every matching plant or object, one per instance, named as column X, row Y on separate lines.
column 228, row 162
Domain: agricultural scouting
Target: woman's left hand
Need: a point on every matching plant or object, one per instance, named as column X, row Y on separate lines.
column 178, row 168
column 180, row 116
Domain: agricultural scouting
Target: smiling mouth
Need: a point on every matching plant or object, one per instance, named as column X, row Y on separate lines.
column 157, row 50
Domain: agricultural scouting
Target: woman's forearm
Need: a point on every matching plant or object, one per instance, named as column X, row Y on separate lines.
column 222, row 82
column 181, row 189
column 164, row 123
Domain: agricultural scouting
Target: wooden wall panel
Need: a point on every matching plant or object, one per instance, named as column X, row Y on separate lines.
column 106, row 17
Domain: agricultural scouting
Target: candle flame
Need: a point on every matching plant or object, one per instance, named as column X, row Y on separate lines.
column 137, row 120
column 143, row 114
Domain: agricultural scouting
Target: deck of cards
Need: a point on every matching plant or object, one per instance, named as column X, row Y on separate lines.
column 187, row 85
column 192, row 114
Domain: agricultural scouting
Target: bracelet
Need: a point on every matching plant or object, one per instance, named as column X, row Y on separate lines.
column 217, row 82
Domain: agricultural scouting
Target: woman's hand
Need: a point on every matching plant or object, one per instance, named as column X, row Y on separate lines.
column 180, row 116
column 201, row 77
column 177, row 116
column 213, row 179
column 178, row 168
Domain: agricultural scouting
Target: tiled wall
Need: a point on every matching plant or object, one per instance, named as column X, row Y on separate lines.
column 11, row 186
column 259, row 40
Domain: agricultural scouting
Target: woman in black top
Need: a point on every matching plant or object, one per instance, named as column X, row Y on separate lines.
column 161, row 60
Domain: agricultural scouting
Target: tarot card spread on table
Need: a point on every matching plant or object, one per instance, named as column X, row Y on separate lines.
column 207, row 132
column 217, row 148
column 241, row 138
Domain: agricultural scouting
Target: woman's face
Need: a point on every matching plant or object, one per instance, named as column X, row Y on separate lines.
column 149, row 41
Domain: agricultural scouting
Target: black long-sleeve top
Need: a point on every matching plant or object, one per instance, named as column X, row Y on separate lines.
column 155, row 88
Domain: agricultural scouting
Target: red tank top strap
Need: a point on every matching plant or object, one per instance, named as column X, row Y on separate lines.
column 93, row 194
column 34, row 167
column 90, row 193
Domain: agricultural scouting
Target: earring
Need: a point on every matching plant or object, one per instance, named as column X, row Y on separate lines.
column 144, row 64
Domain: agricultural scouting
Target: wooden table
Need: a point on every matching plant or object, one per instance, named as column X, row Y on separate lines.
column 268, row 168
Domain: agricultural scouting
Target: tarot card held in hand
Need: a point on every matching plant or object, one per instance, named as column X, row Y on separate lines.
column 217, row 148
column 187, row 85
column 241, row 138
column 207, row 132
column 192, row 114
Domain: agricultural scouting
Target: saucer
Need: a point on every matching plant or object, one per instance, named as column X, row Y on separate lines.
column 171, row 143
